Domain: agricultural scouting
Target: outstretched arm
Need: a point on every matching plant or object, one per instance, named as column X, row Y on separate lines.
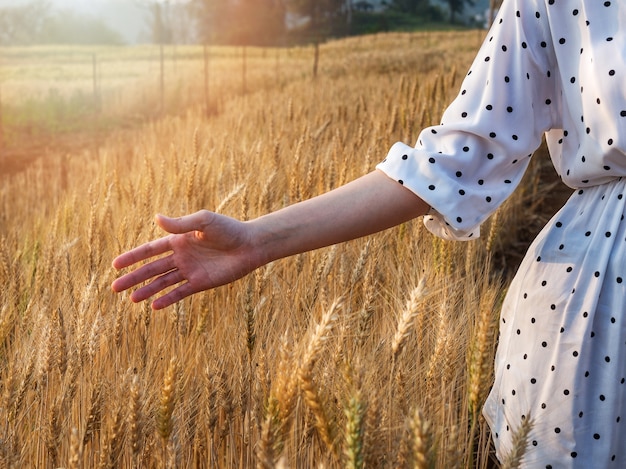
column 205, row 250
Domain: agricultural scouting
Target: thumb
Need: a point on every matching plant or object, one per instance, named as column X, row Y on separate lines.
column 184, row 224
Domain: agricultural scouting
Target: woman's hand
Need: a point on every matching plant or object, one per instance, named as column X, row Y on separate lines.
column 209, row 250
column 205, row 249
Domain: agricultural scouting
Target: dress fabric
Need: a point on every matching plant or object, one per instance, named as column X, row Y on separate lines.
column 553, row 67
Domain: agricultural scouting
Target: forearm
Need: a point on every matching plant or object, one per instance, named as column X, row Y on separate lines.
column 365, row 206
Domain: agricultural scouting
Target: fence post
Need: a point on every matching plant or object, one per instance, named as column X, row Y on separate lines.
column 206, row 78
column 1, row 123
column 316, row 58
column 162, row 77
column 243, row 71
column 94, row 63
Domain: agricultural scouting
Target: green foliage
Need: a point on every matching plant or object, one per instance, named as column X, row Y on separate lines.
column 391, row 20
column 456, row 7
column 412, row 7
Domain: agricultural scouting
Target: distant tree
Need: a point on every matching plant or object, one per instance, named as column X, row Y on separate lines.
column 411, row 7
column 363, row 5
column 456, row 7
column 326, row 17
column 37, row 23
column 160, row 24
column 181, row 23
column 244, row 22
column 67, row 27
column 22, row 25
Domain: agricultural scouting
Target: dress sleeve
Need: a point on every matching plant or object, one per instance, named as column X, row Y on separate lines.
column 468, row 165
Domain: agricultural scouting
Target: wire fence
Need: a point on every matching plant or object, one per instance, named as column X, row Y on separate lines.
column 48, row 89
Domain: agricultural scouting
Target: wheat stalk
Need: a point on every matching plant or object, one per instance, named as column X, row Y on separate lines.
column 229, row 197
column 318, row 338
column 265, row 447
column 53, row 433
column 135, row 419
column 439, row 358
column 321, row 334
column 515, row 457
column 23, row 387
column 494, row 228
column 422, row 440
column 264, row 204
column 354, row 445
column 94, row 336
column 315, row 403
column 94, row 415
column 112, row 447
column 367, row 309
column 76, row 450
column 480, row 355
column 61, row 342
column 167, row 401
column 282, row 397
column 359, row 266
column 411, row 311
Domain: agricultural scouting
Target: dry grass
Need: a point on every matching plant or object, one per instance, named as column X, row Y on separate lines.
column 268, row 371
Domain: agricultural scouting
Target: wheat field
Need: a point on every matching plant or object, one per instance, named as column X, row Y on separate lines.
column 374, row 353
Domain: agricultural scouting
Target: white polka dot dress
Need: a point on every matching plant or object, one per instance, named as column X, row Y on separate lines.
column 556, row 67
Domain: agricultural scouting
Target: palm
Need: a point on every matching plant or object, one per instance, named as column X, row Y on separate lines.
column 206, row 250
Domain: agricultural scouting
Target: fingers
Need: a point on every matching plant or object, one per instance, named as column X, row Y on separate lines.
column 183, row 224
column 157, row 285
column 163, row 270
column 143, row 252
column 143, row 273
column 174, row 296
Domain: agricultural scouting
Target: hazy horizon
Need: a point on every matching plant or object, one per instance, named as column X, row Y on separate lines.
column 129, row 18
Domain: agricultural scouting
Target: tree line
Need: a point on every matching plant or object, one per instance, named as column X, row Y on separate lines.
column 235, row 22
column 271, row 22
column 38, row 23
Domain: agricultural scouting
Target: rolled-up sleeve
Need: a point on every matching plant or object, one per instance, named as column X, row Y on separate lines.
column 468, row 165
